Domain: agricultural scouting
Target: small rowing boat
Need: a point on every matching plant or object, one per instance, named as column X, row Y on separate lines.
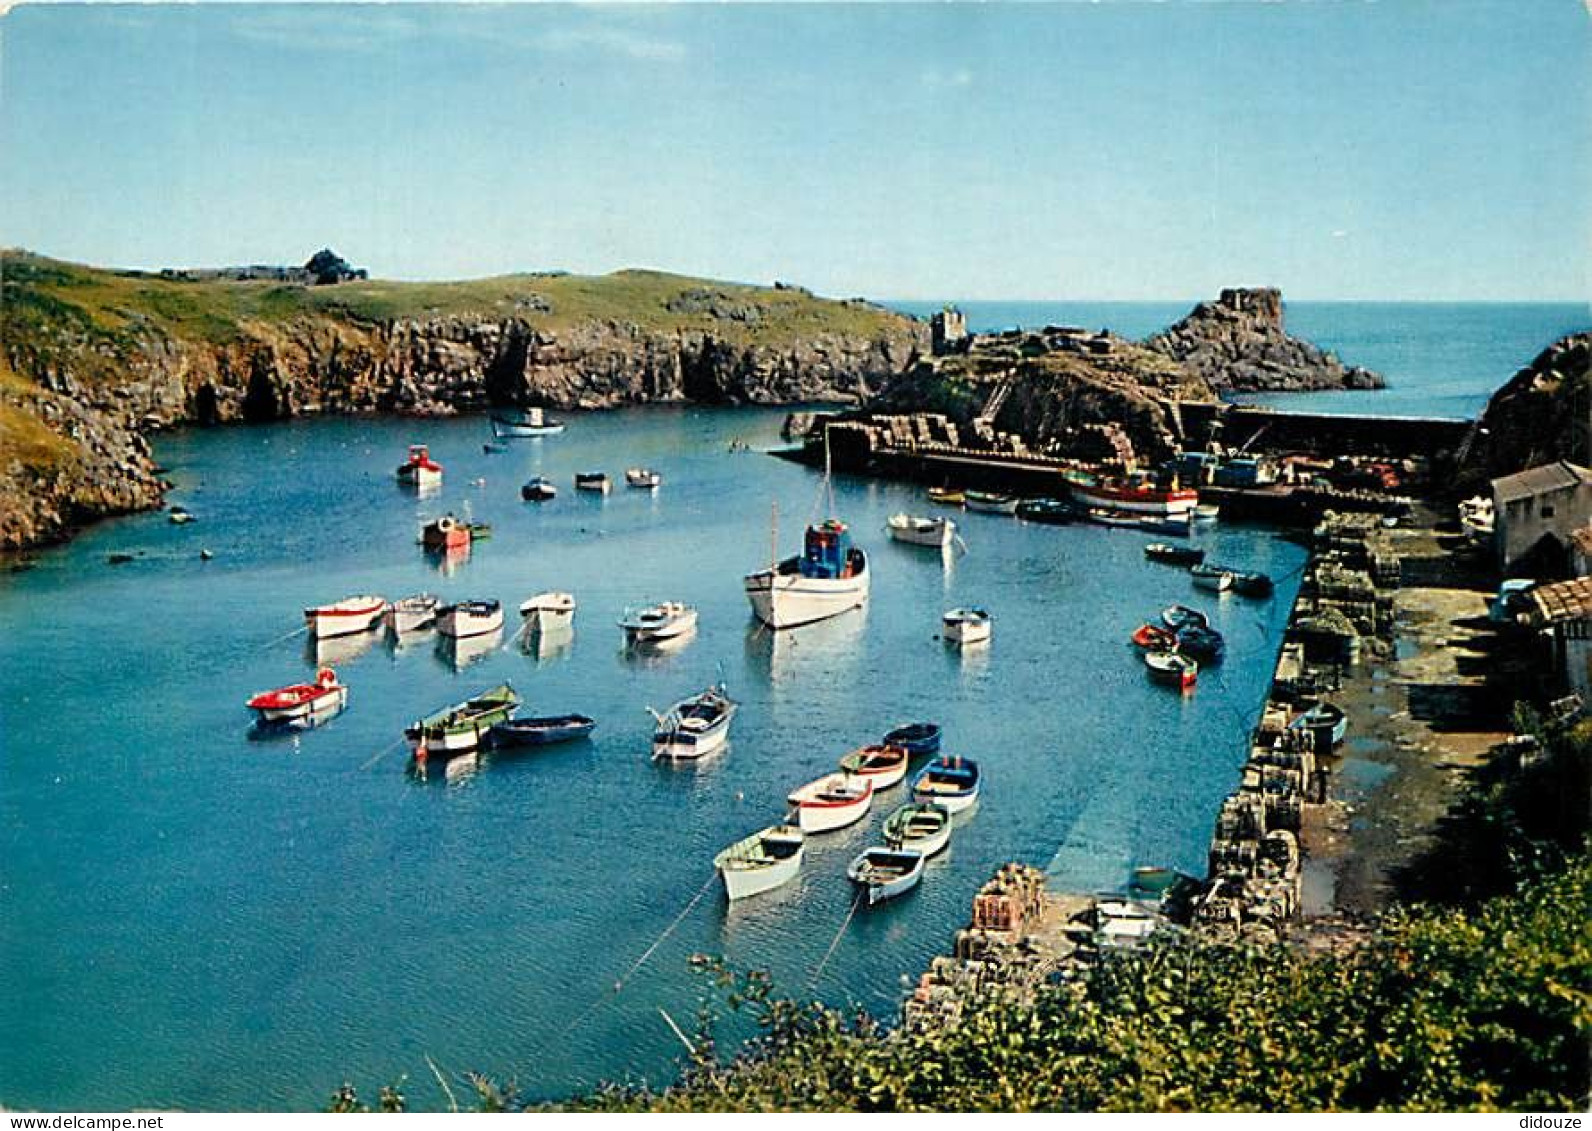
column 949, row 781
column 411, row 614
column 1212, row 578
column 546, row 612
column 922, row 827
column 966, row 626
column 948, row 496
column 420, row 470
column 1179, row 616
column 1251, row 583
column 991, row 503
column 299, row 702
column 1172, row 667
column 914, row 531
column 462, row 726
column 539, row 490
column 344, row 618
column 663, row 621
column 761, row 862
column 597, row 481
column 884, row 873
column 832, row 802
column 543, row 731
column 643, row 477
column 1050, row 512
column 919, row 739
column 882, row 765
column 1202, row 642
column 694, row 727
column 1319, row 713
column 1153, row 636
column 1174, row 555
column 470, row 618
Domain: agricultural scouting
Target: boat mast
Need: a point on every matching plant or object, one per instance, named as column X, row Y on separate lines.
column 773, row 534
column 829, row 484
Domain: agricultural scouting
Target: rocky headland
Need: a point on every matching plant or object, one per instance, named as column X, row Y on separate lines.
column 91, row 360
column 1238, row 344
column 1541, row 414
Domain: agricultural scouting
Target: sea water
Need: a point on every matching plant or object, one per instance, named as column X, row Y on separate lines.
column 197, row 918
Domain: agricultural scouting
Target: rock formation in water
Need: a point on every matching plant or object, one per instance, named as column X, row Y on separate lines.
column 93, row 359
column 1542, row 414
column 1238, row 344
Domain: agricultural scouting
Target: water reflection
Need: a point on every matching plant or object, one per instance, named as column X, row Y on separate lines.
column 401, row 642
column 546, row 645
column 782, row 657
column 650, row 653
column 340, row 649
column 450, row 561
column 459, row 653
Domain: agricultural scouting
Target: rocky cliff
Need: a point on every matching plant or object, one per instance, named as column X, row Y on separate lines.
column 1543, row 413
column 1238, row 344
column 93, row 359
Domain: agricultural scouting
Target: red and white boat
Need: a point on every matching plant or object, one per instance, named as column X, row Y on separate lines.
column 1141, row 498
column 420, row 470
column 832, row 802
column 346, row 617
column 882, row 764
column 301, row 701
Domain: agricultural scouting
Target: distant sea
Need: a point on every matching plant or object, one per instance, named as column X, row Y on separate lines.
column 1440, row 359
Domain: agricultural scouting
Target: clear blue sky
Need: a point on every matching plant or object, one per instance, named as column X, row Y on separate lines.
column 1398, row 149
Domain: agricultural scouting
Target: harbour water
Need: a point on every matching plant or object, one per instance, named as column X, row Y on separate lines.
column 195, row 918
column 1440, row 359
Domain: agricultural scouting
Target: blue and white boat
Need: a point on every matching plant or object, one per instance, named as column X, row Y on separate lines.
column 949, row 781
column 919, row 739
column 528, row 424
column 884, row 873
column 828, row 578
column 1320, row 713
column 694, row 727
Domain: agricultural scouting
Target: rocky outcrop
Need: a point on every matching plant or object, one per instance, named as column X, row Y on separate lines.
column 1238, row 344
column 1542, row 414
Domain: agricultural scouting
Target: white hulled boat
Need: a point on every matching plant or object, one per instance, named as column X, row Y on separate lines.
column 470, row 618
column 658, row 622
column 885, row 873
column 694, row 727
column 832, row 802
column 991, row 503
column 643, row 477
column 300, row 702
column 420, row 470
column 830, row 577
column 346, row 617
column 966, row 626
column 917, row 531
column 762, row 861
column 548, row 612
column 411, row 614
column 529, row 423
column 1140, row 497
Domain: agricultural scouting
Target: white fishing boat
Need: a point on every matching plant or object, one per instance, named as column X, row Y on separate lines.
column 881, row 764
column 832, row 802
column 470, row 618
column 420, row 470
column 884, row 873
column 916, row 531
column 597, row 481
column 990, row 503
column 411, row 614
column 643, row 477
column 654, row 623
column 528, row 424
column 921, row 826
column 694, row 727
column 762, row 861
column 548, row 612
column 830, row 577
column 966, row 626
column 346, row 617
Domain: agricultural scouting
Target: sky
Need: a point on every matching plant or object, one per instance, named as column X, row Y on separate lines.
column 1394, row 150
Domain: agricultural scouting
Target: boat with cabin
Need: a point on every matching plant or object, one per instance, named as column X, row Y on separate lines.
column 1172, row 667
column 1050, row 512
column 832, row 802
column 664, row 621
column 966, row 626
column 445, row 534
column 1211, row 578
column 990, row 502
column 1136, row 493
column 884, row 873
column 476, row 617
column 919, row 739
column 539, row 489
column 642, row 477
column 883, row 765
column 830, row 577
column 950, row 781
column 420, row 470
column 916, row 531
column 548, row 611
column 596, row 481
column 411, row 614
column 348, row 617
column 528, row 424
column 299, row 702
column 1174, row 555
column 463, row 726
column 761, row 862
column 694, row 727
column 544, row 730
column 921, row 826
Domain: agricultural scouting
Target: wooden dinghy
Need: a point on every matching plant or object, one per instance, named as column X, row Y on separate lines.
column 922, row 826
column 935, row 533
column 1174, row 555
column 950, row 781
column 542, row 731
column 1172, row 668
column 1179, row 616
column 462, row 726
column 882, row 765
column 832, row 802
column 919, row 739
column 761, row 862
column 991, row 503
column 884, row 873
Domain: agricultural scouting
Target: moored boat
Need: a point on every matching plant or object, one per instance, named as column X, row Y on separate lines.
column 444, row 534
column 923, row 827
column 547, row 611
column 919, row 739
column 1251, row 583
column 884, row 873
column 1318, row 713
column 1139, row 497
column 950, row 781
column 411, row 614
column 1178, row 616
column 882, row 765
column 643, row 477
column 663, row 621
column 1174, row 555
column 597, row 481
column 300, row 701
column 539, row 490
column 462, row 726
column 1206, row 513
column 829, row 578
column 542, row 731
column 694, row 727
column 420, row 470
column 344, row 618
column 470, row 618
column 966, row 626
column 832, row 802
column 1211, row 578
column 991, row 503
column 1202, row 642
column 1153, row 636
column 528, row 424
column 916, row 531
column 1172, row 667
column 947, row 496
column 761, row 862
column 1051, row 512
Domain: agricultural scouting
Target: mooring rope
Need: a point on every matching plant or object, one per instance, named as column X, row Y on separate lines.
column 300, row 630
column 846, row 922
column 380, row 754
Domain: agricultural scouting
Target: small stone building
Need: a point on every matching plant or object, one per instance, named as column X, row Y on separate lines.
column 947, row 331
column 1562, row 610
column 1536, row 511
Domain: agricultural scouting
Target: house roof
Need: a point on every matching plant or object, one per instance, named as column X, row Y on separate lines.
column 1560, row 601
column 1539, row 480
column 1582, row 540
